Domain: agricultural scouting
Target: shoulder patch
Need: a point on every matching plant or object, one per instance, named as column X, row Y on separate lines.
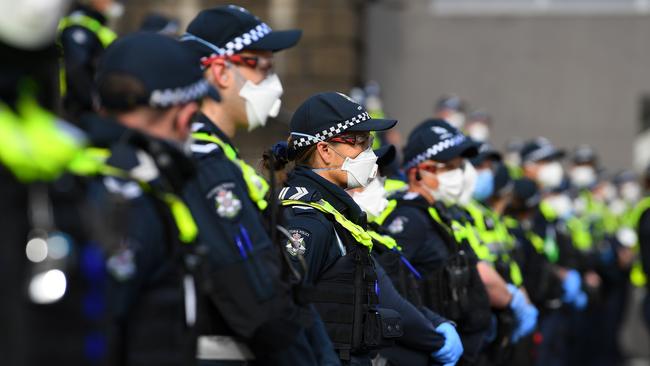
column 226, row 203
column 296, row 244
column 397, row 225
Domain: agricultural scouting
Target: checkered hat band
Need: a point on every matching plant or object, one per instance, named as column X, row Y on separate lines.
column 169, row 97
column 435, row 150
column 239, row 43
column 540, row 154
column 337, row 129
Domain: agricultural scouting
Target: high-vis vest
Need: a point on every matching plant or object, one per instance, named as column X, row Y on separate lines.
column 497, row 239
column 255, row 184
column 32, row 146
column 345, row 294
column 105, row 35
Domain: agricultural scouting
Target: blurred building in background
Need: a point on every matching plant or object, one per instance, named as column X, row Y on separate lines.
column 576, row 71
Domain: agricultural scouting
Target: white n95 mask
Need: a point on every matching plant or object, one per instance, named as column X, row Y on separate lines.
column 550, row 175
column 372, row 199
column 30, row 24
column 583, row 176
column 362, row 169
column 450, row 186
column 470, row 175
column 262, row 100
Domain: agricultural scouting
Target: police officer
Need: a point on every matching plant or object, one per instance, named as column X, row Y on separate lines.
column 331, row 146
column 155, row 22
column 83, row 36
column 427, row 241
column 244, row 76
column 44, row 286
column 541, row 163
column 416, row 345
column 154, row 285
column 453, row 109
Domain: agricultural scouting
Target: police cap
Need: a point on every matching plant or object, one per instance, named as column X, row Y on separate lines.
column 159, row 65
column 229, row 29
column 325, row 115
column 436, row 139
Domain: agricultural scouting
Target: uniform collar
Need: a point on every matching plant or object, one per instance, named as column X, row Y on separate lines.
column 205, row 124
column 303, row 176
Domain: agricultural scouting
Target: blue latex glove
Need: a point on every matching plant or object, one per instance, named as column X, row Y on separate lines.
column 525, row 314
column 453, row 347
column 571, row 286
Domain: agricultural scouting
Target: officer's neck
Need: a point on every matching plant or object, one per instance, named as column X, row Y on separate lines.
column 216, row 113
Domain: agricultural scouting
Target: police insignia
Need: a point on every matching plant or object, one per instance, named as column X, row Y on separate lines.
column 296, row 244
column 227, row 203
column 397, row 226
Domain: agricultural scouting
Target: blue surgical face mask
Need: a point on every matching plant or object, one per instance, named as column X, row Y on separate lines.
column 484, row 185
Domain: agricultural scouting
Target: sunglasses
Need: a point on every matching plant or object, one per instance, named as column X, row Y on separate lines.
column 364, row 140
column 442, row 167
column 254, row 62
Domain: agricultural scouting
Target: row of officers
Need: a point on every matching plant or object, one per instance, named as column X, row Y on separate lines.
column 138, row 236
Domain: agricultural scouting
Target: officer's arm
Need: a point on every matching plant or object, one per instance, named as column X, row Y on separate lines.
column 419, row 332
column 495, row 286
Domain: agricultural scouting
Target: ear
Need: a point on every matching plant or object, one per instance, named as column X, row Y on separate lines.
column 219, row 74
column 413, row 175
column 325, row 153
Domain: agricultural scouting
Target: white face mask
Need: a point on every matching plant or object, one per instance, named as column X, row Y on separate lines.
column 456, row 119
column 583, row 176
column 362, row 169
column 479, row 132
column 631, row 192
column 262, row 100
column 30, row 24
column 550, row 175
column 469, row 184
column 372, row 199
column 561, row 204
column 450, row 186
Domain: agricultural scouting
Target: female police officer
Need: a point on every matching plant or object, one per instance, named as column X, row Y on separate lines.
column 330, row 144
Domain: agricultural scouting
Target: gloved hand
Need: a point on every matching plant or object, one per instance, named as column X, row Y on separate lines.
column 525, row 314
column 581, row 301
column 572, row 286
column 453, row 347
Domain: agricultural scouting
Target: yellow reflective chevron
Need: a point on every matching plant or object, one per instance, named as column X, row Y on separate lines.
column 384, row 240
column 105, row 35
column 32, row 146
column 92, row 161
column 359, row 234
column 255, row 184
